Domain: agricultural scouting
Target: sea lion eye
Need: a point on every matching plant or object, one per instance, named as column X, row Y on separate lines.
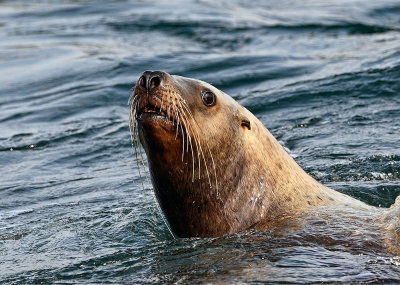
column 208, row 98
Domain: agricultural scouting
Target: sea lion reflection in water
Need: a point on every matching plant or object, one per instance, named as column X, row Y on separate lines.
column 215, row 168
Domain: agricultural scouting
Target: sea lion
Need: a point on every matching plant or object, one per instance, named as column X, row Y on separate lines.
column 215, row 168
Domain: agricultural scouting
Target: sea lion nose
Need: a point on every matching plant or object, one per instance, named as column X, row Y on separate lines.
column 151, row 80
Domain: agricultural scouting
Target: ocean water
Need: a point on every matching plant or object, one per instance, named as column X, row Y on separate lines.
column 323, row 76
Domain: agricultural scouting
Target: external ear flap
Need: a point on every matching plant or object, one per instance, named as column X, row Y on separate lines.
column 246, row 124
column 243, row 119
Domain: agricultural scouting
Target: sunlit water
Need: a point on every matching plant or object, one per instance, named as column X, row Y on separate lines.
column 323, row 76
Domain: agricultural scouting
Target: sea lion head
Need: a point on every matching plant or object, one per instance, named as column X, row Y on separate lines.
column 195, row 138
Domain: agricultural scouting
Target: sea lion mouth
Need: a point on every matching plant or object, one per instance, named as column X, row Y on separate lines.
column 152, row 112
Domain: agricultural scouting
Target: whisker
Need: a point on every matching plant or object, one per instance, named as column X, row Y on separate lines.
column 198, row 138
column 177, row 124
column 189, row 138
column 180, row 123
column 138, row 149
column 212, row 160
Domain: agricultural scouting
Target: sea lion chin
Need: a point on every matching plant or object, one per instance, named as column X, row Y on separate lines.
column 156, row 130
column 215, row 168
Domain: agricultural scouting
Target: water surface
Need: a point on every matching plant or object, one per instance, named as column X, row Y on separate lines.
column 323, row 76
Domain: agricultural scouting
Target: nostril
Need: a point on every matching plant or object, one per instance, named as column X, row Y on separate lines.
column 150, row 80
column 155, row 82
column 142, row 81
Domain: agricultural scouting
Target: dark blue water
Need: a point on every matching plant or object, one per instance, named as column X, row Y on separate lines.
column 323, row 76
